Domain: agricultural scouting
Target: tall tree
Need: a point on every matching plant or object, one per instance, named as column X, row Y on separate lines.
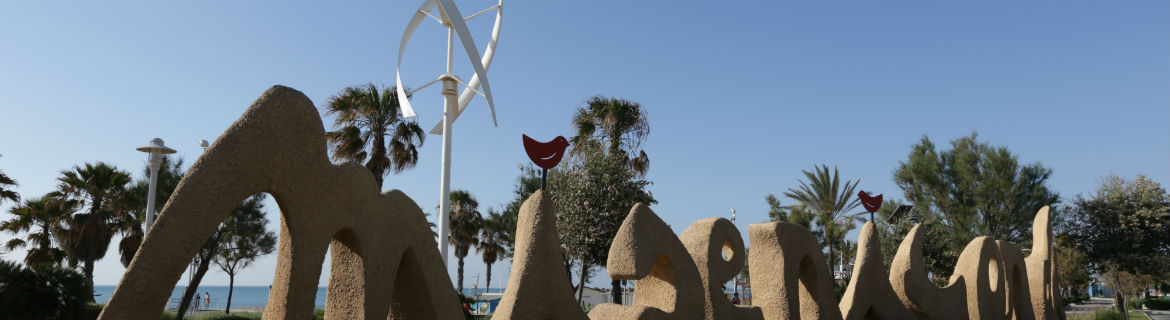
column 365, row 118
column 465, row 225
column 617, row 126
column 39, row 217
column 592, row 195
column 6, row 192
column 170, row 172
column 491, row 242
column 245, row 238
column 975, row 189
column 1124, row 228
column 86, row 236
column 823, row 194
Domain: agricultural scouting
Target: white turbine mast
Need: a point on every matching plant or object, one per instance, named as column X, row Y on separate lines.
column 456, row 24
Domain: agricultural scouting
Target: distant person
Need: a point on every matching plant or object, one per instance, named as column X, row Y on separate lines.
column 207, row 300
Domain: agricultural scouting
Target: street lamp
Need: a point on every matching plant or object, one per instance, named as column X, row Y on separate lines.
column 156, row 149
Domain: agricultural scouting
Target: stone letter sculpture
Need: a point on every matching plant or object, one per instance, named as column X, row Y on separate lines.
column 386, row 265
column 382, row 247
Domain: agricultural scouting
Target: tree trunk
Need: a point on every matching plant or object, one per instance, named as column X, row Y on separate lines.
column 581, row 283
column 831, row 271
column 487, row 284
column 460, row 276
column 227, row 308
column 1120, row 299
column 88, row 268
column 377, row 153
column 617, row 291
column 192, row 288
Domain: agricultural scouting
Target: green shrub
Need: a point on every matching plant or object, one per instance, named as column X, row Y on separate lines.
column 1106, row 315
column 1158, row 303
column 47, row 292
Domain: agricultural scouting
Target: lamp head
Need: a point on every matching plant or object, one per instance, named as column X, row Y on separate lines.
column 203, row 143
column 156, row 148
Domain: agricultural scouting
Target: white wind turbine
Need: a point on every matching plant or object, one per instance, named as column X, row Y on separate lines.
column 456, row 25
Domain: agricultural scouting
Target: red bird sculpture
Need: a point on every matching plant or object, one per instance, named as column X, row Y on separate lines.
column 871, row 204
column 546, row 155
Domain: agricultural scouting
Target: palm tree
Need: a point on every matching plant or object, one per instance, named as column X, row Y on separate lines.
column 365, row 118
column 465, row 223
column 491, row 242
column 823, row 195
column 86, row 236
column 38, row 217
column 619, row 126
column 6, row 185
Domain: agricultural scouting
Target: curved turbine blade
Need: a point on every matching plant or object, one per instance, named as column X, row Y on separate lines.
column 456, row 20
column 404, row 103
column 488, row 53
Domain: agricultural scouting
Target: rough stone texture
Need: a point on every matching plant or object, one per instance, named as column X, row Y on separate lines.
column 914, row 289
column 1042, row 269
column 538, row 287
column 1018, row 293
column 668, row 283
column 790, row 279
column 384, row 256
column 385, row 262
column 717, row 249
column 980, row 267
column 869, row 295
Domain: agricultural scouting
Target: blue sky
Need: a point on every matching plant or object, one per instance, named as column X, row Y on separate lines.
column 741, row 97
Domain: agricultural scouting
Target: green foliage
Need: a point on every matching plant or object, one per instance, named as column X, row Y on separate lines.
column 797, row 214
column 617, row 127
column 937, row 247
column 244, row 239
column 466, row 222
column 6, row 192
column 824, row 196
column 45, row 292
column 86, row 236
column 1073, row 266
column 1100, row 315
column 364, row 118
column 170, row 172
column 974, row 189
column 592, row 197
column 1162, row 303
column 491, row 242
column 1123, row 226
column 39, row 217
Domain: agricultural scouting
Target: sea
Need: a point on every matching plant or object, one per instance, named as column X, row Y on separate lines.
column 242, row 296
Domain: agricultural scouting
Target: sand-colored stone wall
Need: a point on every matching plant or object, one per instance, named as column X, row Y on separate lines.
column 386, row 265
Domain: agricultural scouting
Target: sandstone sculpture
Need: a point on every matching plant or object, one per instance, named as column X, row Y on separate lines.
column 538, row 287
column 384, row 259
column 869, row 295
column 385, row 263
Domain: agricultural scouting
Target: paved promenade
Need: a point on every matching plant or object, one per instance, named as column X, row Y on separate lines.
column 1093, row 304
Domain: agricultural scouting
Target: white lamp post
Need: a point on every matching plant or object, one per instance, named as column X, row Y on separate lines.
column 156, row 149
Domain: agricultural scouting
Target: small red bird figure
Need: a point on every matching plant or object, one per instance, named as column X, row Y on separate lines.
column 871, row 204
column 546, row 155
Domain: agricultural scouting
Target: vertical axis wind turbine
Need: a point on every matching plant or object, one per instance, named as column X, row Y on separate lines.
column 456, row 25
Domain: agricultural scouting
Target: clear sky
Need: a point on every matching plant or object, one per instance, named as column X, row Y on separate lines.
column 742, row 96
